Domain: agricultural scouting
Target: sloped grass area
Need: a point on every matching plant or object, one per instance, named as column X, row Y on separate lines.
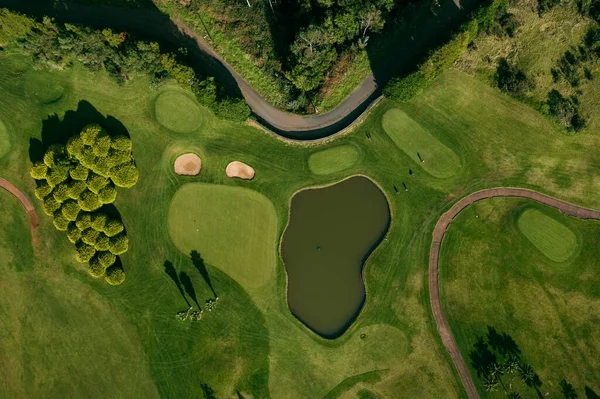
column 548, row 235
column 233, row 228
column 177, row 111
column 420, row 145
column 491, row 276
column 333, row 160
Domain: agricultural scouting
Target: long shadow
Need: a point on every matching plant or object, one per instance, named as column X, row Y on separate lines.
column 590, row 394
column 186, row 281
column 208, row 392
column 201, row 267
column 172, row 273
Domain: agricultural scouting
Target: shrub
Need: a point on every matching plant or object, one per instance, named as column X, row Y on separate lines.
column 51, row 205
column 89, row 201
column 106, row 258
column 79, row 172
column 57, row 175
column 233, row 109
column 84, row 221
column 90, row 133
column 96, row 183
column 76, row 188
column 102, row 243
column 118, row 244
column 43, row 190
column 89, row 236
column 70, row 209
column 122, row 143
column 113, row 227
column 511, row 79
column 102, row 145
column 108, row 194
column 115, row 275
column 125, row 175
column 99, row 220
column 61, row 192
column 75, row 145
column 39, row 170
column 96, row 269
column 55, row 155
column 565, row 111
column 60, row 222
column 73, row 233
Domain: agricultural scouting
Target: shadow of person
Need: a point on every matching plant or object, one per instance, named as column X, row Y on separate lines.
column 208, row 392
column 201, row 267
column 186, row 281
column 590, row 394
column 172, row 273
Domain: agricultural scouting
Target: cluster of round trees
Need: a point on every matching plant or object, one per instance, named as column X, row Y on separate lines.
column 74, row 182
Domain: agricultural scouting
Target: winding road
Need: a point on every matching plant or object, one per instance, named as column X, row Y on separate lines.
column 438, row 234
column 33, row 218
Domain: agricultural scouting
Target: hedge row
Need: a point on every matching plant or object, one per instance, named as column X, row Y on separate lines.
column 406, row 87
column 74, row 182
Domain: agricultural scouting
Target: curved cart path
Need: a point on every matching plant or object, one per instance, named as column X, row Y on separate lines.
column 438, row 235
column 33, row 218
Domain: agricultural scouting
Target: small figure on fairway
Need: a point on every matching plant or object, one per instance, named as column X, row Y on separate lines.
column 410, row 172
column 396, row 190
column 420, row 159
column 404, row 185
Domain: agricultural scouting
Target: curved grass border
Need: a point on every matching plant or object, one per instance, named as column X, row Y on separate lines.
column 384, row 237
column 434, row 255
column 24, row 200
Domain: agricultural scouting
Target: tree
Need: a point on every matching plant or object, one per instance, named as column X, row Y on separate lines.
column 102, row 243
column 84, row 221
column 60, row 222
column 70, row 209
column 85, row 252
column 73, row 233
column 39, row 170
column 490, row 383
column 51, row 205
column 61, row 192
column 43, row 190
column 118, row 244
column 99, row 220
column 118, row 157
column 124, row 175
column 96, row 269
column 113, row 227
column 89, row 236
column 515, row 395
column 567, row 390
column 102, row 145
column 106, row 258
column 89, row 201
column 79, row 172
column 76, row 188
column 511, row 79
column 57, row 175
column 108, row 194
column 55, row 155
column 90, row 132
column 122, row 143
column 96, row 183
column 115, row 275
column 75, row 145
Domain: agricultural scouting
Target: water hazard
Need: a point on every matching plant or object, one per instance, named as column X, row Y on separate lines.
column 331, row 233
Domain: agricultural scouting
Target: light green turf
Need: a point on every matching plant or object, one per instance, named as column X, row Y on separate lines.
column 333, row 159
column 43, row 88
column 4, row 140
column 234, row 229
column 413, row 139
column 551, row 237
column 177, row 112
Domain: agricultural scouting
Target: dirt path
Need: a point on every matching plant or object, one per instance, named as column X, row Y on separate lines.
column 33, row 218
column 438, row 235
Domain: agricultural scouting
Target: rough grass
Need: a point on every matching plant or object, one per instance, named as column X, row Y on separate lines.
column 415, row 141
column 548, row 235
column 177, row 111
column 491, row 275
column 333, row 159
column 232, row 228
column 4, row 140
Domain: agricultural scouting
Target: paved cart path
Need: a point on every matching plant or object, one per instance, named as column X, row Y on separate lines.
column 434, row 255
column 33, row 218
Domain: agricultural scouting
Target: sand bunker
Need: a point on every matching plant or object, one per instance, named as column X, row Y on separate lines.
column 240, row 169
column 188, row 165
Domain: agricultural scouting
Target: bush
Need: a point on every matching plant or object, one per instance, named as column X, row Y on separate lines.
column 55, row 155
column 118, row 244
column 51, row 205
column 60, row 222
column 113, row 227
column 89, row 201
column 39, row 170
column 76, row 188
column 96, row 183
column 90, row 133
column 43, row 190
column 96, row 269
column 125, row 175
column 108, row 194
column 102, row 243
column 99, row 220
column 511, row 79
column 115, row 275
column 89, row 236
column 75, row 145
column 79, row 172
column 73, row 233
column 233, row 109
column 565, row 111
column 106, row 258
column 122, row 143
column 70, row 209
column 84, row 221
column 61, row 192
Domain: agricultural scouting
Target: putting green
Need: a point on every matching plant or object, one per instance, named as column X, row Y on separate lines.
column 42, row 86
column 552, row 238
column 233, row 228
column 414, row 140
column 4, row 140
column 177, row 112
column 333, row 159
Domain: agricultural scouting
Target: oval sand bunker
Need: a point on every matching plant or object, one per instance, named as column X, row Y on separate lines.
column 188, row 165
column 240, row 169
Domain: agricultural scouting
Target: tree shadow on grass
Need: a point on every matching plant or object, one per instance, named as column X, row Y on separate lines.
column 172, row 273
column 201, row 267
column 57, row 130
column 208, row 392
column 186, row 281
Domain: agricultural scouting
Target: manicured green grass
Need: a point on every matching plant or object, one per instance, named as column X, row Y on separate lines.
column 548, row 235
column 4, row 140
column 491, row 276
column 333, row 160
column 416, row 142
column 233, row 228
column 43, row 88
column 177, row 111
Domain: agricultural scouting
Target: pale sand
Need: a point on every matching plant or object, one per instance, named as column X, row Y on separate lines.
column 188, row 165
column 240, row 169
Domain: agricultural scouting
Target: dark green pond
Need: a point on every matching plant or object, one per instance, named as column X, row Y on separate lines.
column 331, row 233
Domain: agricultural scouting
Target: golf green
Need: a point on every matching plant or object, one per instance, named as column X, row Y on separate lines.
column 552, row 238
column 333, row 159
column 177, row 112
